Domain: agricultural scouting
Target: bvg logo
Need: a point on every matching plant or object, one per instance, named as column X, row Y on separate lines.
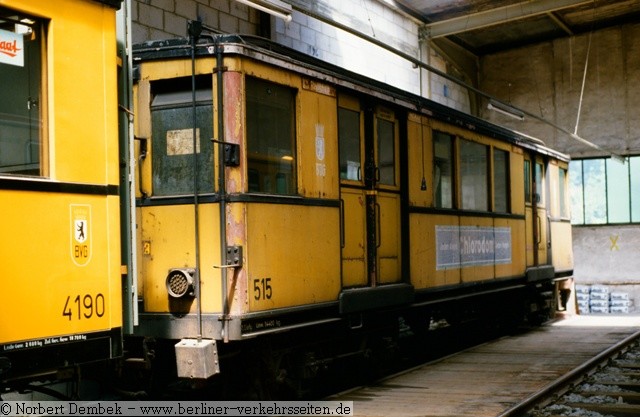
column 80, row 234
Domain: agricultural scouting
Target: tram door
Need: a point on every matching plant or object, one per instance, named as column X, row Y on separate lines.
column 370, row 195
column 537, row 227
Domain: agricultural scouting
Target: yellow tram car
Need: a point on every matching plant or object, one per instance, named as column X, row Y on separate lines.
column 278, row 198
column 61, row 303
column 277, row 194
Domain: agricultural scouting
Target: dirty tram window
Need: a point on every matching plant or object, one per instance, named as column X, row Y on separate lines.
column 443, row 169
column 501, row 180
column 271, row 149
column 172, row 137
column 349, row 137
column 473, row 175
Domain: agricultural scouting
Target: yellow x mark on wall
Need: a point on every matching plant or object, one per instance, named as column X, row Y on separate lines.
column 614, row 242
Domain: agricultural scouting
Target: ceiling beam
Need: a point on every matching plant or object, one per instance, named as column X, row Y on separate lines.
column 560, row 23
column 499, row 15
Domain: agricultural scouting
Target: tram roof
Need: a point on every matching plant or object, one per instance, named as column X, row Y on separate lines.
column 268, row 51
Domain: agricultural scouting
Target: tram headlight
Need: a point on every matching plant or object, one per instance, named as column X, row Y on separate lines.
column 180, row 282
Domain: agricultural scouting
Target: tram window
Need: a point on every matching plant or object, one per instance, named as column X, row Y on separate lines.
column 172, row 136
column 473, row 175
column 562, row 190
column 349, row 139
column 539, row 184
column 501, row 180
column 21, row 96
column 386, row 152
column 527, row 181
column 443, row 169
column 271, row 149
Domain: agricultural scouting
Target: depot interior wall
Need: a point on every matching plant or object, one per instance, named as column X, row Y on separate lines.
column 373, row 19
column 546, row 80
column 608, row 255
column 164, row 19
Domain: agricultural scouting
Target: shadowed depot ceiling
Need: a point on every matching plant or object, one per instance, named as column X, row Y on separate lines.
column 488, row 26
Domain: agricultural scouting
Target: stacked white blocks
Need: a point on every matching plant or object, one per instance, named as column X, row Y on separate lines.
column 598, row 299
column 582, row 298
column 619, row 303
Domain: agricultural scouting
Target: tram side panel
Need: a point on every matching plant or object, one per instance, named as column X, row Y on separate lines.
column 463, row 230
column 423, row 242
column 511, row 178
column 61, row 253
column 559, row 214
column 166, row 207
column 290, row 214
column 281, row 207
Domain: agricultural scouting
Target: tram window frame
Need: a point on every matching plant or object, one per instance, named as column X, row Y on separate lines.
column 563, row 188
column 23, row 130
column 465, row 189
column 501, row 182
column 349, row 122
column 443, row 169
column 172, row 136
column 474, row 175
column 386, row 134
column 540, row 184
column 271, row 137
column 528, row 185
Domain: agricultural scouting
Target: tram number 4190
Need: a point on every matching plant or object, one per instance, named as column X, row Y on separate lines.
column 84, row 306
column 262, row 289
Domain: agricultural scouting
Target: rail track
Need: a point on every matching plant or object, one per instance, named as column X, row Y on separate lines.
column 607, row 385
column 559, row 369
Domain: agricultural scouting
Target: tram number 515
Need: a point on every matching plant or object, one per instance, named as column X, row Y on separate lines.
column 84, row 306
column 262, row 289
